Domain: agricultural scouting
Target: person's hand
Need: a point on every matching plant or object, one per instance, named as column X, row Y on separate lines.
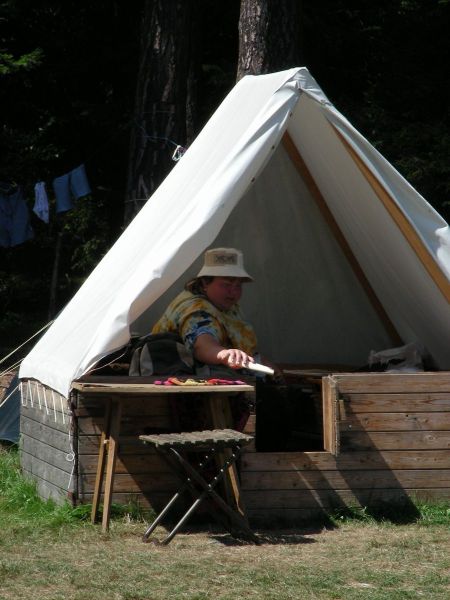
column 234, row 358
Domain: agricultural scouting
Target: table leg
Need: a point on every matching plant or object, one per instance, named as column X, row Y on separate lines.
column 222, row 419
column 113, row 442
column 101, row 461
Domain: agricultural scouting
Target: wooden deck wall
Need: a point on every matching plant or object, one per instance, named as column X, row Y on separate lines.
column 393, row 437
column 392, row 433
column 46, row 443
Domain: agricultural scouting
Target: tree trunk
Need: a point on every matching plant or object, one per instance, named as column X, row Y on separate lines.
column 269, row 36
column 165, row 97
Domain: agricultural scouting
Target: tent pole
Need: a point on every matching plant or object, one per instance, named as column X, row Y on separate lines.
column 301, row 167
column 402, row 222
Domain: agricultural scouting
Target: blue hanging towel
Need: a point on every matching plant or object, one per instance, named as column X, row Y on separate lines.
column 40, row 207
column 61, row 187
column 79, row 184
column 15, row 225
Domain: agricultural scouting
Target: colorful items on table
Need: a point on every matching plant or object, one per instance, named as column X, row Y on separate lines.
column 198, row 382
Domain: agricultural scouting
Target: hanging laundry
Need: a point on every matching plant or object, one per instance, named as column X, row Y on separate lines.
column 71, row 184
column 61, row 187
column 15, row 225
column 40, row 207
column 79, row 185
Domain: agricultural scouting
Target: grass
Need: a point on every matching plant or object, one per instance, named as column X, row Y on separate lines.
column 49, row 552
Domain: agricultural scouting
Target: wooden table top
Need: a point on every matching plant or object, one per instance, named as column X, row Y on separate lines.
column 146, row 385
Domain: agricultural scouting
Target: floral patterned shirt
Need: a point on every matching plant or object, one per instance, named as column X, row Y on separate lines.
column 191, row 315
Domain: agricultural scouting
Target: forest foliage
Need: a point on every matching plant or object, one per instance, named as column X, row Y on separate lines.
column 68, row 74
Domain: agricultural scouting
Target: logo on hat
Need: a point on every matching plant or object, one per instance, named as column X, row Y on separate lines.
column 225, row 259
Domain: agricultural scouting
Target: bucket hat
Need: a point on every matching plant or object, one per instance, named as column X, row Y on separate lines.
column 224, row 262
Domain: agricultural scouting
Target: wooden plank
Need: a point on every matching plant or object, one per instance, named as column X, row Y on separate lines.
column 407, row 402
column 46, row 453
column 47, row 490
column 434, row 421
column 405, row 440
column 122, row 388
column 131, row 484
column 112, row 432
column 430, row 382
column 89, row 444
column 329, row 499
column 301, row 517
column 130, row 463
column 328, row 217
column 221, row 418
column 301, row 462
column 345, row 480
column 329, row 407
column 150, row 501
column 56, row 421
column 136, row 405
column 268, row 503
column 101, row 457
column 54, row 438
column 402, row 221
column 50, row 473
column 250, row 426
column 130, row 425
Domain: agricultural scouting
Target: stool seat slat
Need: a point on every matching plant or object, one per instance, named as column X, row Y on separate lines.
column 226, row 437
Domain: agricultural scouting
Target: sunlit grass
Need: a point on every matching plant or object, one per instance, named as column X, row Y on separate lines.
column 23, row 510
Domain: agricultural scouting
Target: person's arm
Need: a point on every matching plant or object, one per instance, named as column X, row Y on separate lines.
column 208, row 350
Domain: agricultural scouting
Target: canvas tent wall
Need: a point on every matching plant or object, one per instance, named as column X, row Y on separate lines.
column 275, row 170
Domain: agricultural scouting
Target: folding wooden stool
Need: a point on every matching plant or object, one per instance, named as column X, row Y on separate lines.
column 211, row 444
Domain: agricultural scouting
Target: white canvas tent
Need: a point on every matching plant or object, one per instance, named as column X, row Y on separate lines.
column 347, row 257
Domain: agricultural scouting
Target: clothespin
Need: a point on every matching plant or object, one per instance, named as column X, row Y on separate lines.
column 178, row 153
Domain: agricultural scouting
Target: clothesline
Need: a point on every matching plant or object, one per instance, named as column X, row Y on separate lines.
column 15, row 227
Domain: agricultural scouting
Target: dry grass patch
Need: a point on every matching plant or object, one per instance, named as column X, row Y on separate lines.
column 356, row 560
column 47, row 553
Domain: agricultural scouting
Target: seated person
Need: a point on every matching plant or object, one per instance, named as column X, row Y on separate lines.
column 206, row 315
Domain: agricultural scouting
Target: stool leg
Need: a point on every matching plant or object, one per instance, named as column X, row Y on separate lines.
column 234, row 516
column 183, row 519
column 161, row 515
column 197, row 502
column 202, row 465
